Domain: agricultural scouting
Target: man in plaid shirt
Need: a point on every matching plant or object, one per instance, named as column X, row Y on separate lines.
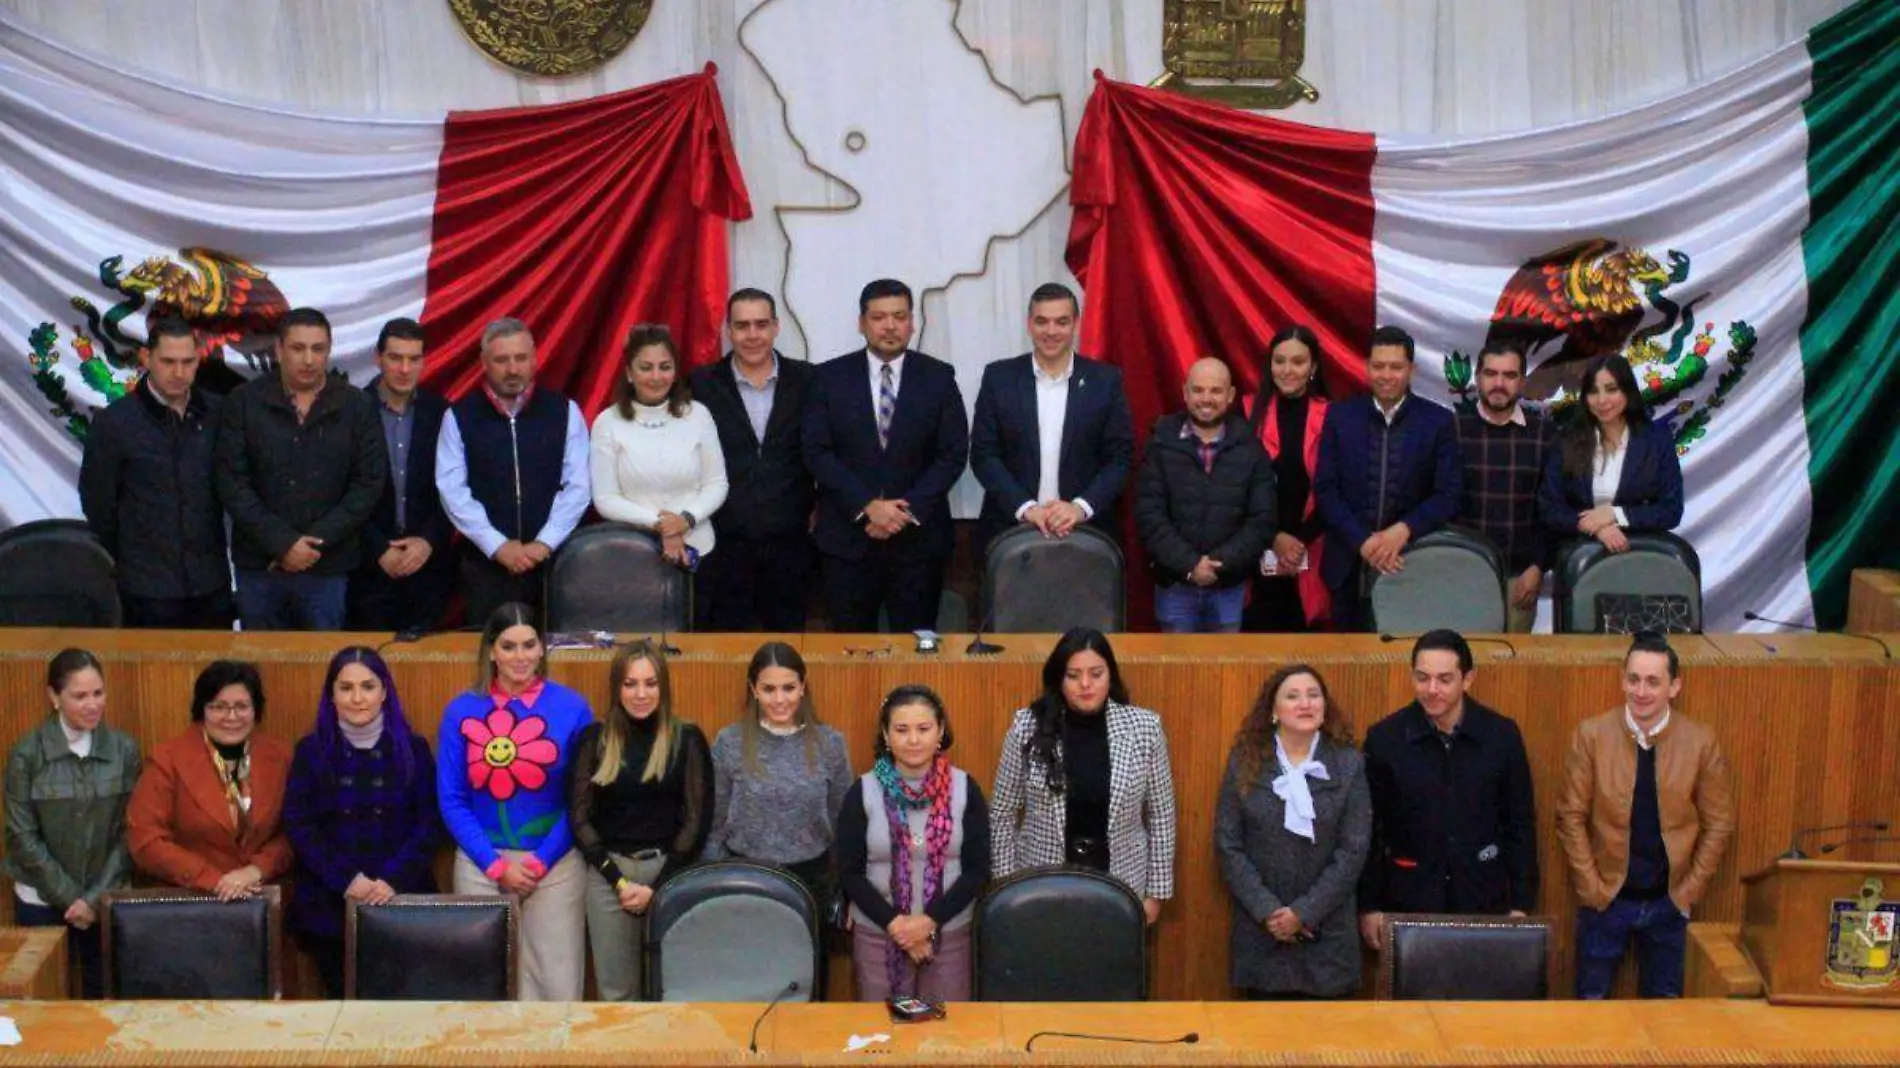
column 1504, row 447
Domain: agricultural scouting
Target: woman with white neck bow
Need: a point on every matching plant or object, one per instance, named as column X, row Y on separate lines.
column 1292, row 831
column 359, row 809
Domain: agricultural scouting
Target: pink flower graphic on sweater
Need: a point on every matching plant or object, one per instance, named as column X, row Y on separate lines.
column 505, row 754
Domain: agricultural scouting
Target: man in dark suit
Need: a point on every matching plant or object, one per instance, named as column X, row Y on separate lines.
column 886, row 437
column 761, row 576
column 1053, row 441
column 404, row 579
column 1389, row 474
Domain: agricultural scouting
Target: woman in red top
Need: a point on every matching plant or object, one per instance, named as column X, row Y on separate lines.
column 1288, row 413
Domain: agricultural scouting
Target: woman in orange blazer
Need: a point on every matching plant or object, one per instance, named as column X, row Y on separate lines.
column 207, row 812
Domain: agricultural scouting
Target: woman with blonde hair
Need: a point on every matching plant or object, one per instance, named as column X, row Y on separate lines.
column 1292, row 830
column 640, row 798
column 779, row 776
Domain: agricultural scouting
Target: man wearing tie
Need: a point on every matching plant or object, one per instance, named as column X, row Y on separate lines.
column 886, row 438
column 1053, row 441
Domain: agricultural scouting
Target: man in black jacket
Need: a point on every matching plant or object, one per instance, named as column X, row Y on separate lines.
column 405, row 576
column 760, row 579
column 1204, row 506
column 145, row 485
column 1454, row 822
column 301, row 465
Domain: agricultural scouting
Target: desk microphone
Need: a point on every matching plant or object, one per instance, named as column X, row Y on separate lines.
column 790, row 989
column 1886, row 651
column 977, row 646
column 1182, row 1040
column 1878, row 838
column 1794, row 844
column 1506, row 642
column 416, row 634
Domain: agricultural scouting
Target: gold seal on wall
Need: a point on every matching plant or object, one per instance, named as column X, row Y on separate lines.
column 551, row 38
column 1246, row 53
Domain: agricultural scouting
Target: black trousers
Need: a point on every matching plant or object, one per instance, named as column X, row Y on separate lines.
column 754, row 584
column 1275, row 607
column 210, row 611
column 416, row 602
column 905, row 585
column 486, row 586
column 327, row 954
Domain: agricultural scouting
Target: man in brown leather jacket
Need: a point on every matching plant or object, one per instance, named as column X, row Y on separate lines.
column 1648, row 809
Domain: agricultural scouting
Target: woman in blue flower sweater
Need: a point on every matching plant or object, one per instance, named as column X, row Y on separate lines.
column 501, row 773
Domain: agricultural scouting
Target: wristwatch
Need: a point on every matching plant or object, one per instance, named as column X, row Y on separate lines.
column 690, row 521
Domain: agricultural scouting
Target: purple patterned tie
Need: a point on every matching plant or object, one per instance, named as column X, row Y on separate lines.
column 886, row 405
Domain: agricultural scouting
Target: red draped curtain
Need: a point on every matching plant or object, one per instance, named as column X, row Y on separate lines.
column 581, row 220
column 1199, row 230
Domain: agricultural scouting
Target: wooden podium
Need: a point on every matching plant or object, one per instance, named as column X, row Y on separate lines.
column 1824, row 932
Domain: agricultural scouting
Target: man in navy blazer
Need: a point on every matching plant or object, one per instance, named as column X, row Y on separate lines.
column 760, row 579
column 886, row 438
column 405, row 577
column 1053, row 441
column 1389, row 474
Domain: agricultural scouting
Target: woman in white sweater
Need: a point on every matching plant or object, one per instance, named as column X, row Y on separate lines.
column 656, row 459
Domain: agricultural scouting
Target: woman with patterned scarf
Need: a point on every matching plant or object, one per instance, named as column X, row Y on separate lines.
column 207, row 812
column 913, row 854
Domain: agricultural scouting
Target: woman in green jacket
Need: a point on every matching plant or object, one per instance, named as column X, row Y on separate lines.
column 67, row 786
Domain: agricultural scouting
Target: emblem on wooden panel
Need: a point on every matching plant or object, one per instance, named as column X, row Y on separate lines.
column 551, row 38
column 1246, row 53
column 1860, row 941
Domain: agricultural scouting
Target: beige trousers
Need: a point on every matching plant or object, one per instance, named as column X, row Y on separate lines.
column 613, row 933
column 553, row 934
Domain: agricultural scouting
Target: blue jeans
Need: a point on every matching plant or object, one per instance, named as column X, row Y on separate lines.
column 82, row 946
column 1191, row 609
column 1662, row 935
column 278, row 600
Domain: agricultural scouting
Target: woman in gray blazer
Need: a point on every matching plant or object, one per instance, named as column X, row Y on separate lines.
column 1292, row 830
column 1084, row 777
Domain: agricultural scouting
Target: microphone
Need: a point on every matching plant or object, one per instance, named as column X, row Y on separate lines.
column 1181, row 1040
column 1506, row 642
column 1753, row 616
column 416, row 634
column 666, row 617
column 1794, row 844
column 1832, row 846
column 979, row 647
column 790, row 989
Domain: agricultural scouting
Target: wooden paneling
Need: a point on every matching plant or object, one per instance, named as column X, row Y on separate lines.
column 1873, row 601
column 1810, row 724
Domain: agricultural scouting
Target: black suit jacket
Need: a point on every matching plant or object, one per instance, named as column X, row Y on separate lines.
column 424, row 513
column 770, row 490
column 929, row 443
column 1650, row 491
column 1098, row 440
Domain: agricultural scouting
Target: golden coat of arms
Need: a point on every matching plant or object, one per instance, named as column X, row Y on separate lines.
column 1861, row 941
column 1246, row 53
column 551, row 38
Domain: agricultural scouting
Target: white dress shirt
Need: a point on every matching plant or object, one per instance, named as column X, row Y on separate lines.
column 658, row 462
column 1052, row 414
column 1608, row 476
column 468, row 515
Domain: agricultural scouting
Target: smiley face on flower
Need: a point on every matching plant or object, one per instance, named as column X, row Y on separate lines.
column 505, row 754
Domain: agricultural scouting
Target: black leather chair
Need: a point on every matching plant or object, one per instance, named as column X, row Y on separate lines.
column 611, row 577
column 1453, row 577
column 1038, row 585
column 1060, row 934
column 732, row 930
column 432, row 947
column 1657, row 565
column 183, row 944
column 54, row 573
column 1464, row 958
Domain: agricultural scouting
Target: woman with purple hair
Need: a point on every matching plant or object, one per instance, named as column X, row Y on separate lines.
column 360, row 807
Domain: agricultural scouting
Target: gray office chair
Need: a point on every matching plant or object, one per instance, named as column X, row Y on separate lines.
column 1038, row 585
column 611, row 577
column 1660, row 577
column 732, row 931
column 54, row 573
column 1452, row 578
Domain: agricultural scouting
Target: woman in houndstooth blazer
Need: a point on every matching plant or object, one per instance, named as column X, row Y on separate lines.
column 1084, row 777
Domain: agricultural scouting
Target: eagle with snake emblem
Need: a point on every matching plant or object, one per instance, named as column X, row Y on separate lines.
column 233, row 305
column 1598, row 297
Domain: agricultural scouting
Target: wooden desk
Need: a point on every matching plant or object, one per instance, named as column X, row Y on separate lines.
column 421, row 1034
column 1807, row 721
